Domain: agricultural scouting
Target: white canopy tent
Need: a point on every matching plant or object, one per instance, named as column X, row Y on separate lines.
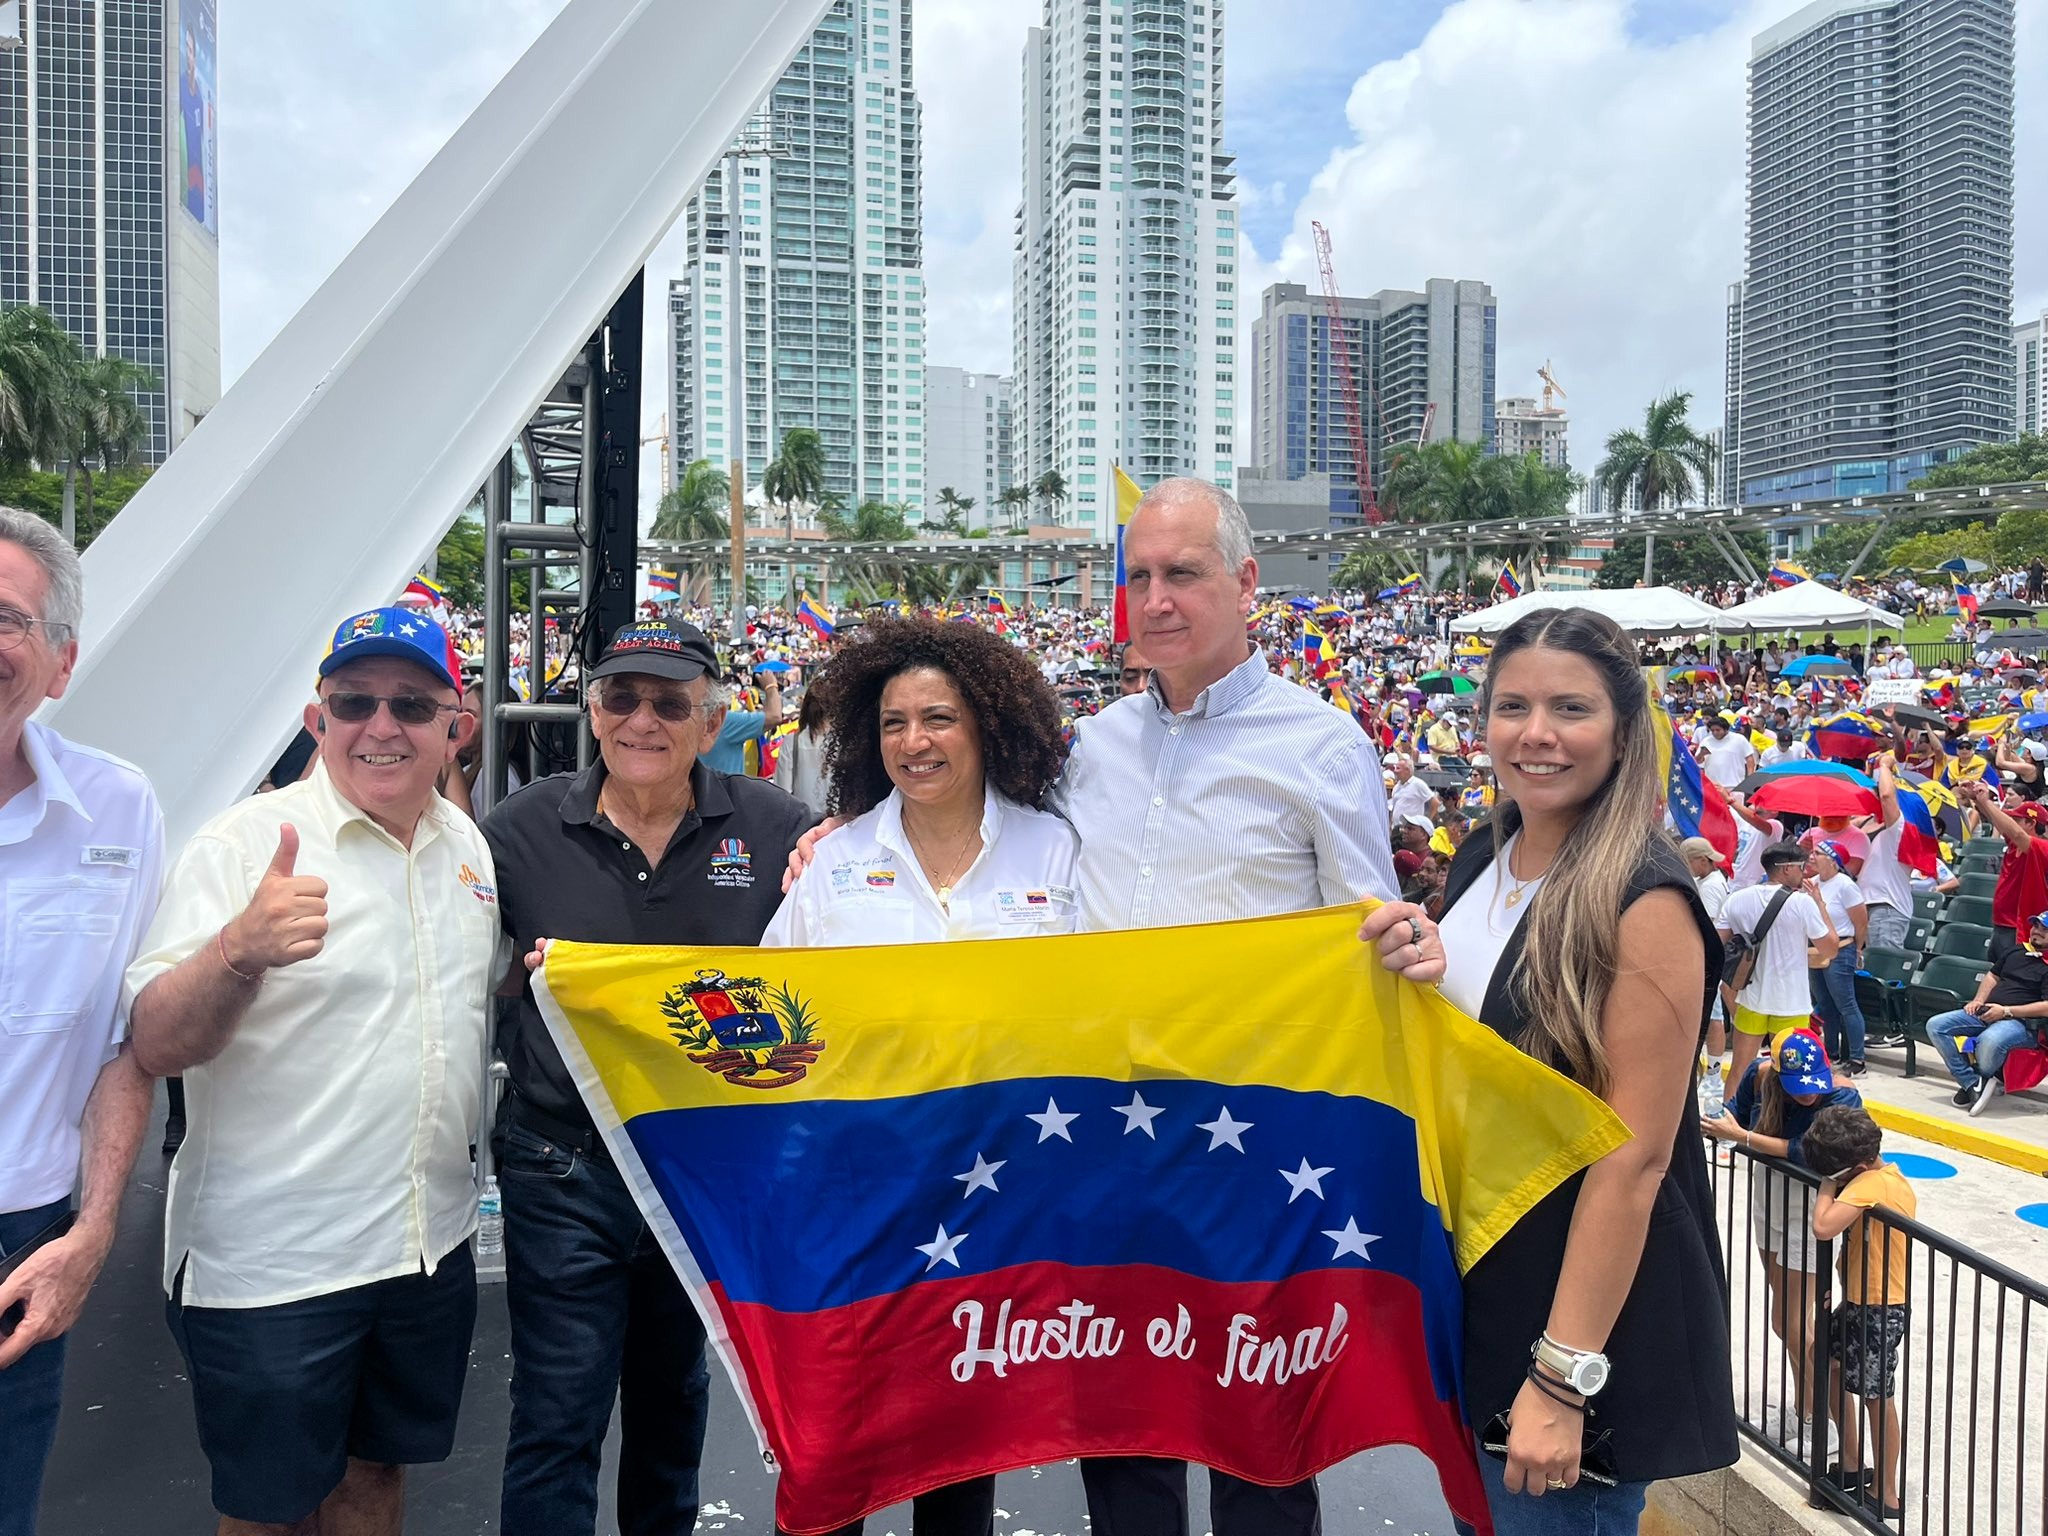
column 1639, row 610
column 1808, row 605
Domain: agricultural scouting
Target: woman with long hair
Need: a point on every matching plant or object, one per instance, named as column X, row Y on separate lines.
column 942, row 744
column 1596, row 1351
column 800, row 763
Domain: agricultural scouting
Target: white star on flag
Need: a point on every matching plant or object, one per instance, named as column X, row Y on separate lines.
column 1053, row 1123
column 1224, row 1131
column 1304, row 1180
column 981, row 1176
column 1138, row 1115
column 1351, row 1240
column 941, row 1248
column 408, row 628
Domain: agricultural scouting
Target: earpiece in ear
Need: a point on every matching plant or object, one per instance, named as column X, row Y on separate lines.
column 453, row 727
column 320, row 726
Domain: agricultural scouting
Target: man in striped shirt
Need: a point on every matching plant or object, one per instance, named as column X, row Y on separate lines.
column 1221, row 791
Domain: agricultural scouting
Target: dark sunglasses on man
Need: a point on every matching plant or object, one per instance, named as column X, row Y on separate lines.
column 406, row 708
column 674, row 708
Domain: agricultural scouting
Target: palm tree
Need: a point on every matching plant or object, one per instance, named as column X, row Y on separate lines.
column 956, row 509
column 1664, row 464
column 1530, row 489
column 698, row 508
column 1051, row 488
column 797, row 473
column 38, row 364
column 1016, row 501
column 104, row 421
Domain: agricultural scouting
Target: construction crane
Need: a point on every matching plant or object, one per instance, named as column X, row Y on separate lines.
column 1550, row 387
column 1428, row 421
column 1353, row 417
column 660, row 435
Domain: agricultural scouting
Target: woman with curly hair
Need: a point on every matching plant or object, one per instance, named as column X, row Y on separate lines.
column 943, row 742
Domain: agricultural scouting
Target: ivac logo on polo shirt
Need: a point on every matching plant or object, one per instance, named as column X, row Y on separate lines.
column 732, row 867
column 487, row 894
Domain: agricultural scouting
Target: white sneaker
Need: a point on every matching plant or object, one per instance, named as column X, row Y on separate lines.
column 1987, row 1090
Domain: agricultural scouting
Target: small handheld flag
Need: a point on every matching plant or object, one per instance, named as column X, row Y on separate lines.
column 1966, row 599
column 1127, row 497
column 663, row 581
column 1509, row 583
column 422, row 590
column 813, row 618
column 1412, row 582
column 1785, row 573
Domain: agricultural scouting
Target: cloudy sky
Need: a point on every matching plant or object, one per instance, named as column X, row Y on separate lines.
column 1585, row 157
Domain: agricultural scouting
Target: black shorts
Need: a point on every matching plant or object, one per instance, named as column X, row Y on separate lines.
column 285, row 1395
column 1866, row 1340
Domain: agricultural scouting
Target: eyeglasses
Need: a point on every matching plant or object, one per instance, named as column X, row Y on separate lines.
column 15, row 625
column 406, row 708
column 674, row 708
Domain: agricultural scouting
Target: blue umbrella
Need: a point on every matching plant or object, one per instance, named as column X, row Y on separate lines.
column 1961, row 566
column 1831, row 665
column 773, row 666
column 2036, row 721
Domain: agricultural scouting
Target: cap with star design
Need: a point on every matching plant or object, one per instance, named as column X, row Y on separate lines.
column 397, row 632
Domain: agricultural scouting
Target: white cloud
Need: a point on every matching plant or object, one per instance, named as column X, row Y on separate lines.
column 1593, row 178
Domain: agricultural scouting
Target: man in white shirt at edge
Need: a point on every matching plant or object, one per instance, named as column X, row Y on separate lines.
column 1221, row 792
column 1778, row 996
column 1410, row 799
column 321, row 1288
column 81, row 857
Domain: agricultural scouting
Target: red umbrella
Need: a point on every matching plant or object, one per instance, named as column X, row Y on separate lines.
column 1815, row 794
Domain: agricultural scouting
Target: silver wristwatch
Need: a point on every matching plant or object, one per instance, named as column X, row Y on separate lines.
column 1585, row 1371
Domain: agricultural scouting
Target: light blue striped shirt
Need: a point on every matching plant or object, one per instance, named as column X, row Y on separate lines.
column 1261, row 799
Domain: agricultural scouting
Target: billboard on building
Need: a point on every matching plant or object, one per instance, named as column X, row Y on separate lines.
column 198, row 72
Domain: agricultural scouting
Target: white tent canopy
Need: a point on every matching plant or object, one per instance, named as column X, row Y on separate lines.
column 1807, row 605
column 1639, row 610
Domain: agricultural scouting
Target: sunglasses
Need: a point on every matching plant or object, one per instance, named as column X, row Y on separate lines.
column 624, row 702
column 406, row 708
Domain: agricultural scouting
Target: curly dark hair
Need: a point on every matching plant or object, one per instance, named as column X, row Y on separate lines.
column 1016, row 714
column 1842, row 1136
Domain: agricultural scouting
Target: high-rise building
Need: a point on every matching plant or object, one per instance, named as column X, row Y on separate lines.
column 1731, row 402
column 801, row 302
column 2030, row 363
column 967, row 442
column 1876, row 334
column 1409, row 352
column 109, row 211
column 1125, row 312
column 1521, row 427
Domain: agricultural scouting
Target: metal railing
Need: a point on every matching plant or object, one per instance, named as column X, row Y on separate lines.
column 1961, row 1440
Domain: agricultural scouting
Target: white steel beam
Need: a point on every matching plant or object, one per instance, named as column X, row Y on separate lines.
column 322, row 480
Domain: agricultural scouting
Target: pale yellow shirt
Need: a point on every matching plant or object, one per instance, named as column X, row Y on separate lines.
column 329, row 1142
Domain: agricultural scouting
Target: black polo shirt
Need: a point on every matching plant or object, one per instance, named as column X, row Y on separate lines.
column 565, row 872
column 2022, row 979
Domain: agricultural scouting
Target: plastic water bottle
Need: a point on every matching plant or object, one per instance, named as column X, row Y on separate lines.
column 490, row 1225
column 1712, row 1092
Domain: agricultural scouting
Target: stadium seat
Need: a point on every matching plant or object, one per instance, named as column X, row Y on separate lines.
column 1970, row 940
column 1926, row 904
column 1966, row 909
column 1919, row 934
column 1978, row 885
column 1881, row 992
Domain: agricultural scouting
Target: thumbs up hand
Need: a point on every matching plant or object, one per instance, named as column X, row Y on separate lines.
column 285, row 921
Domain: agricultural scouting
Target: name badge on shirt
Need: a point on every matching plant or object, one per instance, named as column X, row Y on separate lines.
column 106, row 856
column 1033, row 904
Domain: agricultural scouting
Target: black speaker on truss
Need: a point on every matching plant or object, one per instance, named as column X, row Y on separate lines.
column 617, row 534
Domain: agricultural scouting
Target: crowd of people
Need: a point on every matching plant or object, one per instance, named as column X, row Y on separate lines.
column 329, row 965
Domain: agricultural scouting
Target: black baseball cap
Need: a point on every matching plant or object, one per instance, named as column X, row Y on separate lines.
column 658, row 648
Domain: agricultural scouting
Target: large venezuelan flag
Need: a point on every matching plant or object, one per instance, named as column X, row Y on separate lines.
column 1207, row 1195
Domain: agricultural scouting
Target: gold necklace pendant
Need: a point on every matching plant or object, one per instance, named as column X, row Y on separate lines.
column 945, row 898
column 1514, row 896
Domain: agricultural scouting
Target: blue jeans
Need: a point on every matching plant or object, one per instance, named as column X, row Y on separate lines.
column 1589, row 1509
column 1834, row 999
column 30, row 1391
column 1993, row 1042
column 597, row 1316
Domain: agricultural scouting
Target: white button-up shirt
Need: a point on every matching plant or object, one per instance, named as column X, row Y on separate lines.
column 81, row 859
column 1261, row 799
column 865, row 885
column 329, row 1143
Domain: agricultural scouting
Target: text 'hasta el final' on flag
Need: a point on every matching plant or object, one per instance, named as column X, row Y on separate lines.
column 1209, row 1197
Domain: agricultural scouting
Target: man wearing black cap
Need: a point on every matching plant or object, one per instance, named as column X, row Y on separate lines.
column 646, row 846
